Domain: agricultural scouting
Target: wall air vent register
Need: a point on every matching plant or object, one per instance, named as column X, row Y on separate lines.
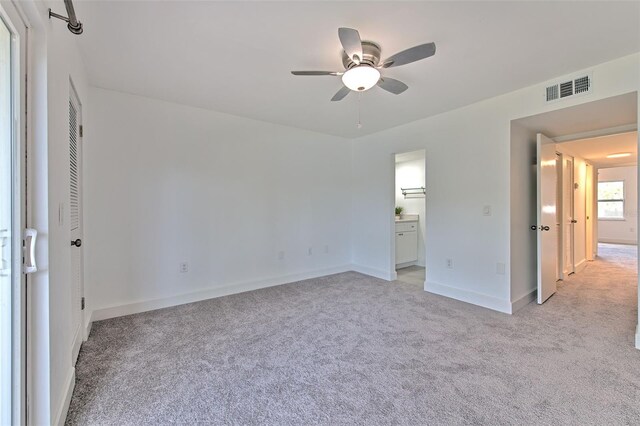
column 564, row 89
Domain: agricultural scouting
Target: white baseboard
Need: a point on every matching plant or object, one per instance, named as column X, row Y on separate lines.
column 523, row 301
column 77, row 342
column 638, row 336
column 373, row 272
column 181, row 299
column 61, row 414
column 87, row 325
column 618, row 241
column 581, row 265
column 469, row 296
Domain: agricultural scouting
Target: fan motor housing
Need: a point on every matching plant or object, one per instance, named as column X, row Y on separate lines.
column 370, row 52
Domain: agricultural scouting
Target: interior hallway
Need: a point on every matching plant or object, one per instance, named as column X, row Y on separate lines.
column 351, row 349
column 412, row 275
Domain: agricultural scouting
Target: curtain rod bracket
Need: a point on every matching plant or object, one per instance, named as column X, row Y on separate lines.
column 73, row 24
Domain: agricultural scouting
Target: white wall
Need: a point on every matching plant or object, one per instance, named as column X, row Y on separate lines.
column 621, row 231
column 411, row 174
column 166, row 183
column 64, row 63
column 523, row 248
column 468, row 166
column 54, row 60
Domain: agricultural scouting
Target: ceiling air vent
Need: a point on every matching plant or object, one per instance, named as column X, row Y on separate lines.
column 565, row 89
column 582, row 84
column 552, row 93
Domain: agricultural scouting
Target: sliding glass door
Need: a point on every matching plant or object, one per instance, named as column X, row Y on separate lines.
column 12, row 208
column 6, row 226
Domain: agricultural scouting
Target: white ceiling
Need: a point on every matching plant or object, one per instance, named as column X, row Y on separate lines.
column 235, row 57
column 596, row 149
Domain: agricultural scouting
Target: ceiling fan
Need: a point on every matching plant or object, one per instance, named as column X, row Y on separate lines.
column 362, row 64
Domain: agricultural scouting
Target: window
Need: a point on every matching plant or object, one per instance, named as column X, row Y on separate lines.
column 611, row 200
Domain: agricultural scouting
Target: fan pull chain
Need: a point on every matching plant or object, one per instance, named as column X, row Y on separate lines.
column 359, row 123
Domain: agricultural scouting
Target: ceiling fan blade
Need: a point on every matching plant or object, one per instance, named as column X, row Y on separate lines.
column 413, row 54
column 315, row 73
column 341, row 94
column 351, row 43
column 392, row 85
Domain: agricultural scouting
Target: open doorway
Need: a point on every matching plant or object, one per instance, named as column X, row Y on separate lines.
column 604, row 203
column 577, row 186
column 408, row 252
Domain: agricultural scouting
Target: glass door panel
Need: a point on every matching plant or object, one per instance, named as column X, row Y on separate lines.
column 6, row 225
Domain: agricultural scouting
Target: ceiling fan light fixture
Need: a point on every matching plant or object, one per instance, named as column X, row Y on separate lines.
column 361, row 78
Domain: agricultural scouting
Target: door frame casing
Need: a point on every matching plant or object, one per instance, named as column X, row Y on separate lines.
column 79, row 336
column 393, row 275
column 568, row 228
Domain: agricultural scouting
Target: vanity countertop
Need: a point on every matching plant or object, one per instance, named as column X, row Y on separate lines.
column 407, row 218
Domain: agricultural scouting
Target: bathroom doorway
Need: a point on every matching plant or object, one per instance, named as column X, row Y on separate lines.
column 408, row 252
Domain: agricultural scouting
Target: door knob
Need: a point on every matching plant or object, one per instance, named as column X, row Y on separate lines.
column 574, row 221
column 544, row 228
column 534, row 227
column 77, row 242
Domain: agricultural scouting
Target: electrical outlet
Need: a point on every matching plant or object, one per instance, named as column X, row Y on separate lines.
column 450, row 263
column 500, row 268
column 310, row 251
column 184, row 267
column 280, row 255
column 326, row 249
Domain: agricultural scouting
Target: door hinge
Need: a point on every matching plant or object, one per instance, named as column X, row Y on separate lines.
column 81, row 130
column 82, row 303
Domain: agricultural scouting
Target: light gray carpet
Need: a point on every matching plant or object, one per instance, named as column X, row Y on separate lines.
column 350, row 349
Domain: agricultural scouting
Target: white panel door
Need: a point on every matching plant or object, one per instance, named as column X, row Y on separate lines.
column 546, row 209
column 75, row 213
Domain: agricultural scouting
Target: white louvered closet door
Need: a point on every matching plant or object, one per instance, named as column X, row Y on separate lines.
column 75, row 217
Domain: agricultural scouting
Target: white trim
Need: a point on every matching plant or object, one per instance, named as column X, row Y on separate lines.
column 617, row 241
column 374, row 272
column 467, row 296
column 64, row 408
column 638, row 336
column 150, row 305
column 407, row 264
column 581, row 265
column 627, row 128
column 75, row 346
column 523, row 301
column 87, row 325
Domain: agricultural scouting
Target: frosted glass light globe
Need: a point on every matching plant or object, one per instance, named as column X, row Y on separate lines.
column 361, row 78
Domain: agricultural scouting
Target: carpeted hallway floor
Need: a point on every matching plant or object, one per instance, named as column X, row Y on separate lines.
column 350, row 349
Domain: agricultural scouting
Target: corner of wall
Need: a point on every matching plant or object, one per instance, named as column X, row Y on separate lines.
column 471, row 297
column 523, row 301
column 374, row 272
